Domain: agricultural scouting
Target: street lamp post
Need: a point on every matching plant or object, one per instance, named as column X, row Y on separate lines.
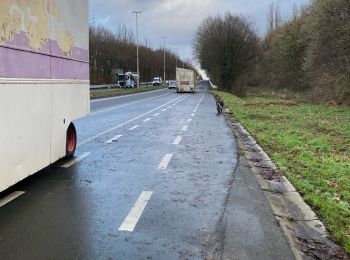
column 137, row 47
column 164, row 37
column 175, row 57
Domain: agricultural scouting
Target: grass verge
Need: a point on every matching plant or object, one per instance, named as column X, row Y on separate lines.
column 311, row 145
column 102, row 93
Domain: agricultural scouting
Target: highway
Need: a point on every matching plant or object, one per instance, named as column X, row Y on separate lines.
column 154, row 177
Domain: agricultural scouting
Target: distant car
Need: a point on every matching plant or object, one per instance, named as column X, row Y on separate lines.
column 130, row 83
column 172, row 84
column 157, row 81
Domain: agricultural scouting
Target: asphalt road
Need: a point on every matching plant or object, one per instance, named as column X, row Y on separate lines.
column 157, row 176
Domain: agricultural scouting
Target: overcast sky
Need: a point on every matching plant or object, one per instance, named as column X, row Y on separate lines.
column 179, row 19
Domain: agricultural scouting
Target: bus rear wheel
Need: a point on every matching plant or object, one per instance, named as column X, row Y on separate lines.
column 71, row 140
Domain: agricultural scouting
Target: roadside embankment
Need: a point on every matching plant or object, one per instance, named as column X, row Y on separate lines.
column 310, row 145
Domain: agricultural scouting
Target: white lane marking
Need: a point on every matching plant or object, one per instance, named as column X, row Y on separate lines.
column 10, row 197
column 192, row 114
column 115, row 138
column 75, row 160
column 164, row 163
column 163, row 110
column 177, row 140
column 136, row 212
column 189, row 120
column 185, row 127
column 194, row 111
column 123, row 96
column 133, row 128
column 147, row 119
column 128, row 104
column 156, row 114
column 122, row 124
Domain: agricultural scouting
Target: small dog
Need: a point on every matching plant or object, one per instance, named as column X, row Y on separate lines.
column 219, row 105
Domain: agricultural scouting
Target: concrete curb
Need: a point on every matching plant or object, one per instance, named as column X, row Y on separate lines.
column 304, row 231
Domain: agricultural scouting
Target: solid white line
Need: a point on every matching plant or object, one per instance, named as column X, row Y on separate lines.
column 163, row 110
column 133, row 128
column 128, row 104
column 189, row 120
column 75, row 160
column 164, row 163
column 156, row 114
column 177, row 140
column 123, row 96
column 10, row 197
column 115, row 138
column 122, row 124
column 147, row 119
column 185, row 127
column 136, row 212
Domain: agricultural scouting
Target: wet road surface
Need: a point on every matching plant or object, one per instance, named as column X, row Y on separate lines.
column 154, row 178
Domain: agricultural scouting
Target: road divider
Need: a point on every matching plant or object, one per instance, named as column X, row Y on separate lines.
column 10, row 197
column 128, row 104
column 135, row 213
column 164, row 163
column 75, row 160
column 115, row 138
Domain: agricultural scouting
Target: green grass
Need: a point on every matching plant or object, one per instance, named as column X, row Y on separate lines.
column 101, row 93
column 311, row 146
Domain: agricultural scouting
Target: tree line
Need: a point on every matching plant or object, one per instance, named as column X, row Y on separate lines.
column 117, row 50
column 308, row 55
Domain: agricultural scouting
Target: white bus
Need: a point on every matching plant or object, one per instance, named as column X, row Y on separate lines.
column 44, row 83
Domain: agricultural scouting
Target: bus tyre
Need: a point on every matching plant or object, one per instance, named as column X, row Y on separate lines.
column 71, row 140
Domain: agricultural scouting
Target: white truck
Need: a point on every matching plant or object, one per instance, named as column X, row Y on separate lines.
column 44, row 83
column 185, row 80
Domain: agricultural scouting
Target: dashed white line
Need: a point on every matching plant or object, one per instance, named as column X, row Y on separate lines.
column 115, row 138
column 192, row 114
column 184, row 128
column 169, row 106
column 75, row 160
column 122, row 124
column 194, row 111
column 133, row 128
column 10, row 197
column 189, row 120
column 177, row 140
column 147, row 119
column 136, row 212
column 156, row 114
column 164, row 163
column 163, row 110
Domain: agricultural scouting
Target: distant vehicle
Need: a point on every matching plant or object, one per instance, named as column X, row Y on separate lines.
column 157, row 81
column 42, row 89
column 172, row 84
column 128, row 80
column 185, row 80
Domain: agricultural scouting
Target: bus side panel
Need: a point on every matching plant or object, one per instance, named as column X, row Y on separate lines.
column 25, row 128
column 66, row 108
